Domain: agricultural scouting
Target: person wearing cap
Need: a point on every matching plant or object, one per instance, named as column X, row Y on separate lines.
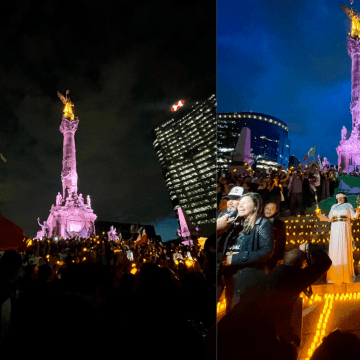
column 340, row 247
column 225, row 222
column 226, row 218
column 233, row 198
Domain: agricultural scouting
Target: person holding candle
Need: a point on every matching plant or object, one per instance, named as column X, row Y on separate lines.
column 340, row 247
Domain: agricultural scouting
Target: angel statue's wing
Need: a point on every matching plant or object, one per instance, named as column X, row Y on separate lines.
column 346, row 10
column 62, row 98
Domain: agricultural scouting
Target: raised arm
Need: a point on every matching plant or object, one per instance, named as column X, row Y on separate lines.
column 327, row 218
column 353, row 213
column 286, row 179
column 263, row 185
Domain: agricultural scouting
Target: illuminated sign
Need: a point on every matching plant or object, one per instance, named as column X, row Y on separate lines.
column 178, row 105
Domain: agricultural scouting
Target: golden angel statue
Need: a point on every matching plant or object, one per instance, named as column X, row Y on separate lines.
column 355, row 20
column 68, row 111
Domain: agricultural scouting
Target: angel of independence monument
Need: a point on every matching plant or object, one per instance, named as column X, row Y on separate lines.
column 71, row 215
column 349, row 149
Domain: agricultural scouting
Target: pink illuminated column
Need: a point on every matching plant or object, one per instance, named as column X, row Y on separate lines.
column 69, row 175
column 353, row 46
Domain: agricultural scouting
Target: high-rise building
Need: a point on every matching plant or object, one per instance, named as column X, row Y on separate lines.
column 293, row 161
column 270, row 145
column 186, row 149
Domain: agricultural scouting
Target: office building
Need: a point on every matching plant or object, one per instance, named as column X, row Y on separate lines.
column 186, row 149
column 294, row 161
column 270, row 145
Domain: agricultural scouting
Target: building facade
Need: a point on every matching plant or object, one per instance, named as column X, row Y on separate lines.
column 294, row 161
column 186, row 150
column 270, row 145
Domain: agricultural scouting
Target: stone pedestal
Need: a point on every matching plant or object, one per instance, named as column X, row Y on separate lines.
column 70, row 218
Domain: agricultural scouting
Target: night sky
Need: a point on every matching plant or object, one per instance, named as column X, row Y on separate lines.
column 288, row 59
column 125, row 64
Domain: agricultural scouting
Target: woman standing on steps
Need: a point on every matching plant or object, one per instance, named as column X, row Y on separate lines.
column 340, row 247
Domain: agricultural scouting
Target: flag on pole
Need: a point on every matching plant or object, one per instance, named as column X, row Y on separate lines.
column 320, row 161
column 311, row 152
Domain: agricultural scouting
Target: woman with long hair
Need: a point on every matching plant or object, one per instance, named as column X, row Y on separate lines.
column 248, row 247
column 340, row 246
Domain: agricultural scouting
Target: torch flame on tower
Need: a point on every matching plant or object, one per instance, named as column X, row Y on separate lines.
column 68, row 111
column 178, row 105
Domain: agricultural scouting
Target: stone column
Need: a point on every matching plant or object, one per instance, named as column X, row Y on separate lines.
column 353, row 46
column 69, row 174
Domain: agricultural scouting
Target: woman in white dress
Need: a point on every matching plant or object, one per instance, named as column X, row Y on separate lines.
column 340, row 247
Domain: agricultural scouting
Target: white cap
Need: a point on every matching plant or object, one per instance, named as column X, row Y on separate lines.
column 234, row 193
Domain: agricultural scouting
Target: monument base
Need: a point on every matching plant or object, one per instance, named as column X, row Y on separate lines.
column 66, row 219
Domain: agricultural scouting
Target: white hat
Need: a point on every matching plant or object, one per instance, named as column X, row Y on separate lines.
column 235, row 192
column 340, row 195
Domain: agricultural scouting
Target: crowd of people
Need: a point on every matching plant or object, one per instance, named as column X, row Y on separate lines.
column 263, row 282
column 138, row 298
column 295, row 189
column 90, row 296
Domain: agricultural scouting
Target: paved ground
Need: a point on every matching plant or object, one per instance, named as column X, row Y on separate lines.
column 344, row 315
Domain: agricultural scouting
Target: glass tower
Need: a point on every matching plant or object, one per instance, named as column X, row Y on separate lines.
column 186, row 150
column 270, row 145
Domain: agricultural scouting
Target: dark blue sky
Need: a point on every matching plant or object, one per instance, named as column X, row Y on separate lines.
column 287, row 59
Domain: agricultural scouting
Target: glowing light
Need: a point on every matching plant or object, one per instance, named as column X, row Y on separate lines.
column 68, row 111
column 178, row 105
